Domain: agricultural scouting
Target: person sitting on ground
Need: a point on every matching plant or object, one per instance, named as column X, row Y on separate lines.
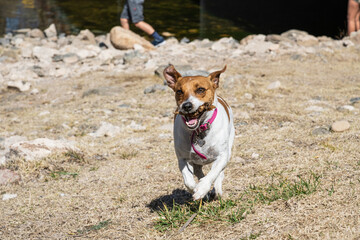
column 353, row 14
column 133, row 10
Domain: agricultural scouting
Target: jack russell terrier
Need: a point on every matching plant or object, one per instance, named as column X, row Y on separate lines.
column 203, row 131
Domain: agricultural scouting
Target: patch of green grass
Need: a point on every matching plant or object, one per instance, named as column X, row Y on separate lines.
column 128, row 155
column 96, row 227
column 74, row 156
column 284, row 189
column 234, row 210
column 58, row 174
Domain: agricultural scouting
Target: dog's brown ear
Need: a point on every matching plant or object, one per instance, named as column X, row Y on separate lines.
column 215, row 77
column 171, row 76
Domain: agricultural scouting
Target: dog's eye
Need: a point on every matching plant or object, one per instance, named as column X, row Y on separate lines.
column 200, row 90
column 179, row 92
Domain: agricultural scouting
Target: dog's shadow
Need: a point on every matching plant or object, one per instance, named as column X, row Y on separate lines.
column 177, row 197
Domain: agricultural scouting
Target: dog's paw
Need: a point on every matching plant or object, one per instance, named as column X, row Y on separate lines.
column 201, row 189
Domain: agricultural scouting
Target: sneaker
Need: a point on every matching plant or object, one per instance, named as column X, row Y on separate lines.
column 158, row 42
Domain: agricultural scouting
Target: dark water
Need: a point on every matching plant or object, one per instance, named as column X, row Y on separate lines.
column 185, row 18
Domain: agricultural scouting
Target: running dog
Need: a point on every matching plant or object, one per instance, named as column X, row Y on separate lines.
column 203, row 131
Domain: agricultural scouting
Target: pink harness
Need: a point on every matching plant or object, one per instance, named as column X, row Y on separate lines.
column 202, row 128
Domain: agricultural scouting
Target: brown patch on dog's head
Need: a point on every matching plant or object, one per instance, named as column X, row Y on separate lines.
column 200, row 87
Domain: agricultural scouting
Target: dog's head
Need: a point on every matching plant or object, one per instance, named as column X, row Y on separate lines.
column 194, row 95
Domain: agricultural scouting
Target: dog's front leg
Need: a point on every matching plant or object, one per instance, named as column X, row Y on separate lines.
column 204, row 185
column 187, row 171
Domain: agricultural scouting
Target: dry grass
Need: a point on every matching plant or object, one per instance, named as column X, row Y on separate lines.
column 115, row 188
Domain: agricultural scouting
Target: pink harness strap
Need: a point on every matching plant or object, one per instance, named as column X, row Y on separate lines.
column 202, row 128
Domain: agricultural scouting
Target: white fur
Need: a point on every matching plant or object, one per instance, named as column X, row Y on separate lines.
column 217, row 148
column 195, row 102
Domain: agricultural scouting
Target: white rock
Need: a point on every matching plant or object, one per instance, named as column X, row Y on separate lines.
column 8, row 196
column 36, row 33
column 138, row 47
column 87, row 35
column 12, row 140
column 274, row 85
column 340, row 126
column 84, row 53
column 34, row 91
column 151, row 64
column 106, row 130
column 314, row 109
column 93, row 48
column 255, row 155
column 19, row 85
column 218, row 46
column 44, row 113
column 133, row 125
column 248, row 96
column 44, row 54
column 346, row 108
column 40, row 148
column 51, row 32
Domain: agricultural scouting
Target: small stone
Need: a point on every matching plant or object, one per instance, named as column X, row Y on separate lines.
column 248, row 96
column 36, row 33
column 320, row 131
column 274, row 85
column 88, row 36
column 70, row 58
column 346, row 108
column 7, row 176
column 340, row 126
column 154, row 88
column 8, row 196
column 314, row 109
column 355, row 100
column 51, row 32
column 106, row 130
column 19, row 85
column 255, row 156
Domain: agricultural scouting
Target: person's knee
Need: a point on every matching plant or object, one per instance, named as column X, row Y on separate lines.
column 124, row 20
column 138, row 24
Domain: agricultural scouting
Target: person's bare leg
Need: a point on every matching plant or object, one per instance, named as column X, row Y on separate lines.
column 125, row 23
column 145, row 27
column 357, row 20
column 353, row 10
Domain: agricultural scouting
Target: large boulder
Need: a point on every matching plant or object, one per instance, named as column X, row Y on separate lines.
column 123, row 39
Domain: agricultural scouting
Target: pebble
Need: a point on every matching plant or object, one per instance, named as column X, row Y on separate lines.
column 340, row 126
column 248, row 96
column 355, row 100
column 19, row 85
column 274, row 85
column 346, row 108
column 8, row 196
column 320, row 131
column 314, row 109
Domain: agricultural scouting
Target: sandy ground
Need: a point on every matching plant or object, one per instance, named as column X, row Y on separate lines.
column 120, row 180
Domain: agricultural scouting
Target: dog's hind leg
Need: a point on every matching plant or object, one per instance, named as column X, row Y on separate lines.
column 198, row 171
column 218, row 185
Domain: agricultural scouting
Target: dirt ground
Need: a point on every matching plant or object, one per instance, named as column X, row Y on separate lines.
column 112, row 191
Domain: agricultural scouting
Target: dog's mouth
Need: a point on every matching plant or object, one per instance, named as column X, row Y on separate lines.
column 192, row 120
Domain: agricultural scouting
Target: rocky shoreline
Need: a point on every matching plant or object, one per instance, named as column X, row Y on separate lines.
column 30, row 55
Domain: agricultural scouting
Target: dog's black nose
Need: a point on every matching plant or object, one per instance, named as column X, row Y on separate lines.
column 187, row 106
